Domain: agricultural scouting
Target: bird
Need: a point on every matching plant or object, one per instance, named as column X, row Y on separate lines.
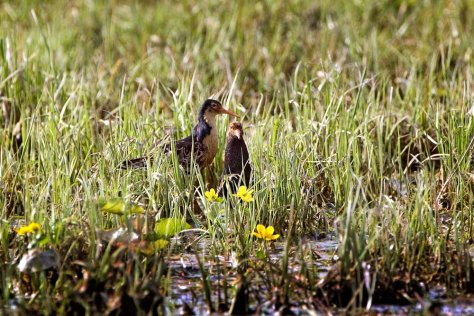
column 201, row 145
column 237, row 169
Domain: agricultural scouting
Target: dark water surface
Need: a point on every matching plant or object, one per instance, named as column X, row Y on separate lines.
column 186, row 291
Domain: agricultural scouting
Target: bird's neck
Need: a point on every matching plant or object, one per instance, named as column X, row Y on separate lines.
column 206, row 132
column 209, row 120
column 205, row 127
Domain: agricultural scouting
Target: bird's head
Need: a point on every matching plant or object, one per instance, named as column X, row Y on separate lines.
column 210, row 108
column 235, row 130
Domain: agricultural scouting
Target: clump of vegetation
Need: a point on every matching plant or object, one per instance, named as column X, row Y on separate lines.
column 358, row 120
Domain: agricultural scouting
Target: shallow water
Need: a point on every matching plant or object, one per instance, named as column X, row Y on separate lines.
column 186, row 291
column 459, row 306
column 186, row 281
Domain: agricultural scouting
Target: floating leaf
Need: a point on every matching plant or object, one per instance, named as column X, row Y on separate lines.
column 161, row 244
column 120, row 207
column 168, row 227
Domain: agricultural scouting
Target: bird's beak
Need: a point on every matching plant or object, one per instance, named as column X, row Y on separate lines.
column 229, row 112
column 238, row 134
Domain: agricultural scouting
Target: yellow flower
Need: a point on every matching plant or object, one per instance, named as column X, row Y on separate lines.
column 31, row 228
column 244, row 194
column 265, row 233
column 212, row 196
column 35, row 227
column 23, row 230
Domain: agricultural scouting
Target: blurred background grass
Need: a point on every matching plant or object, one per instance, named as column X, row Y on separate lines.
column 264, row 42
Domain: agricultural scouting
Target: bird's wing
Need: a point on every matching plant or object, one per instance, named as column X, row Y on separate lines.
column 186, row 148
column 141, row 162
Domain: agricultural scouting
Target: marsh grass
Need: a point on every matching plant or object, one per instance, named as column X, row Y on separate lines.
column 355, row 114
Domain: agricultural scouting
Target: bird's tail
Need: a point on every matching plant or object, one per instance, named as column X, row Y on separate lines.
column 141, row 162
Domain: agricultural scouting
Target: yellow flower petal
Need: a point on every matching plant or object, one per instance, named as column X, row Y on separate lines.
column 31, row 228
column 247, row 198
column 35, row 227
column 212, row 196
column 269, row 230
column 23, row 230
column 261, row 229
column 242, row 190
column 265, row 233
column 274, row 237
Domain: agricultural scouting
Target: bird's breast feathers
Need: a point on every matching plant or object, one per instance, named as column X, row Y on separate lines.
column 210, row 143
column 206, row 134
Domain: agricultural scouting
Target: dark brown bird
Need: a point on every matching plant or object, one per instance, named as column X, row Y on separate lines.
column 201, row 145
column 237, row 170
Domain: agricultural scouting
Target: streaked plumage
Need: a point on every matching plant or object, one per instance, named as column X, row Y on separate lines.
column 201, row 145
column 237, row 170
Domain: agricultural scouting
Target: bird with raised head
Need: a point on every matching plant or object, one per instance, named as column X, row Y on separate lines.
column 237, row 170
column 201, row 145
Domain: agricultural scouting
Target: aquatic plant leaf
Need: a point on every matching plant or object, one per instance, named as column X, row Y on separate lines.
column 120, row 207
column 168, row 227
column 260, row 255
column 161, row 244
